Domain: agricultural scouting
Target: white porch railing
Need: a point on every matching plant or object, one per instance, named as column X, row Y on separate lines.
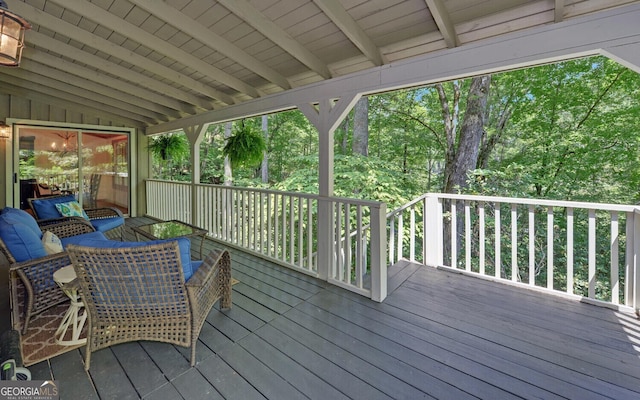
column 285, row 228
column 581, row 250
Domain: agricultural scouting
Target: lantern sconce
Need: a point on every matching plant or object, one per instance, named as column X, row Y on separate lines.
column 5, row 131
column 12, row 28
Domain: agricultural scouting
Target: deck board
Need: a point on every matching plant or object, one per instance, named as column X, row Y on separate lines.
column 441, row 321
column 192, row 385
column 140, row 369
column 587, row 338
column 229, row 383
column 166, row 392
column 70, row 368
column 438, row 335
column 396, row 376
column 259, row 375
column 310, row 359
column 305, row 381
column 109, row 378
column 397, row 345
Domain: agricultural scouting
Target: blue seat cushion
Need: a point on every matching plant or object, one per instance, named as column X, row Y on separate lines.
column 22, row 235
column 45, row 208
column 106, row 224
column 184, row 246
column 85, row 236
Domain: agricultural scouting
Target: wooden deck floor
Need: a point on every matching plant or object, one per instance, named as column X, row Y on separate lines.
column 438, row 335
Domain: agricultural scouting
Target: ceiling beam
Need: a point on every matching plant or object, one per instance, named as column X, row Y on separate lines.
column 66, row 82
column 57, row 25
column 336, row 13
column 44, row 84
column 211, row 39
column 59, row 99
column 145, row 81
column 443, row 21
column 41, row 62
column 119, row 25
column 277, row 35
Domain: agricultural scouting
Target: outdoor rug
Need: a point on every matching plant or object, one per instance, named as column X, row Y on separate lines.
column 39, row 343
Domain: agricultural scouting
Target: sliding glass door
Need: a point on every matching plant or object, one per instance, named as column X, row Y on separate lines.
column 91, row 165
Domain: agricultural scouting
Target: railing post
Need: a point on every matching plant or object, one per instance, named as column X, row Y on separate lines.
column 326, row 237
column 633, row 270
column 378, row 253
column 433, row 232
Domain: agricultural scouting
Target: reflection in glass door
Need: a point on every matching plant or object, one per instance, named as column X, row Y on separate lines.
column 48, row 163
column 92, row 166
column 105, row 170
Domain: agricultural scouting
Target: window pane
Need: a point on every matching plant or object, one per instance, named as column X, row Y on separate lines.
column 105, row 170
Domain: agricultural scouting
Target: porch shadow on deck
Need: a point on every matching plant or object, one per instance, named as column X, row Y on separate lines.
column 438, row 335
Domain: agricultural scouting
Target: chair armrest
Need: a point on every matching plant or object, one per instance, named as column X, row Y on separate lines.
column 51, row 221
column 51, row 262
column 103, row 212
column 37, row 277
column 210, row 282
column 66, row 227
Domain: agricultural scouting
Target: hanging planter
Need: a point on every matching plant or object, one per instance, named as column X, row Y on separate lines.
column 245, row 147
column 170, row 146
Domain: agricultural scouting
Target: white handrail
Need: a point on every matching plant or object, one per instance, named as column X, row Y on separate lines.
column 526, row 242
column 283, row 227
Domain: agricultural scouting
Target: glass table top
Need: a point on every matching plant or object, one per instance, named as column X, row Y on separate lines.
column 169, row 229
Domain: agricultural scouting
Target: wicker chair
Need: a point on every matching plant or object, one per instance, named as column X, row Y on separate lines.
column 139, row 293
column 36, row 275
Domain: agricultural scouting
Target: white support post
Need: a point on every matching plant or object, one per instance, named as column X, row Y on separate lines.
column 433, row 234
column 378, row 253
column 634, row 269
column 326, row 117
column 194, row 134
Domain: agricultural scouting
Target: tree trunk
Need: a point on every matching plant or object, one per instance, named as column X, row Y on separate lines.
column 265, row 160
column 345, row 137
column 462, row 154
column 228, row 172
column 360, row 143
column 464, row 158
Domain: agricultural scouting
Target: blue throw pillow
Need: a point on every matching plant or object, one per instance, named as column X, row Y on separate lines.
column 184, row 246
column 45, row 208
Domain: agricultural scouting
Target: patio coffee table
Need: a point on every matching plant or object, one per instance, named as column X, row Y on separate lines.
column 169, row 230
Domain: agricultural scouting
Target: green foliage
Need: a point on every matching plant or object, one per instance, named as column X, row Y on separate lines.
column 355, row 177
column 172, row 146
column 171, row 156
column 245, row 147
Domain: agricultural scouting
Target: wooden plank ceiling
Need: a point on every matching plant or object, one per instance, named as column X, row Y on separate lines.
column 152, row 61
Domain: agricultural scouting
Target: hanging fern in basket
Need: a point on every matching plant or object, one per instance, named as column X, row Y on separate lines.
column 245, row 147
